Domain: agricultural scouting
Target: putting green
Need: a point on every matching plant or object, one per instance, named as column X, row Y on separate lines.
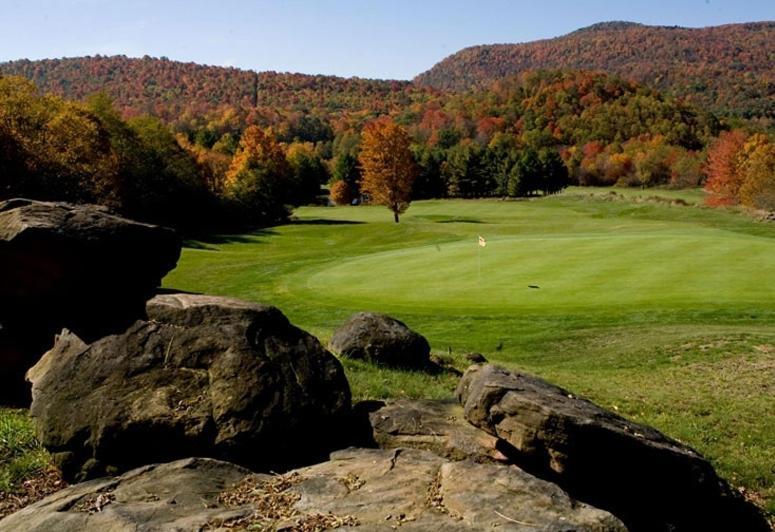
column 706, row 268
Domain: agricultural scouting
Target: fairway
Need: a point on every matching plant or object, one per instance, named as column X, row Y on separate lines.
column 665, row 313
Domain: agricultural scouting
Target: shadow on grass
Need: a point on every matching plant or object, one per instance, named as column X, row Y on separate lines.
column 208, row 241
column 443, row 219
column 164, row 291
column 323, row 221
column 460, row 221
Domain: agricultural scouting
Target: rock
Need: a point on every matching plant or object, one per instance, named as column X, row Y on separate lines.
column 205, row 376
column 71, row 266
column 476, row 358
column 357, row 489
column 648, row 480
column 178, row 496
column 437, row 426
column 382, row 340
column 442, row 364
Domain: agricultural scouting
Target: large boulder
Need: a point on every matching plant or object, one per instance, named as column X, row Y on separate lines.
column 204, row 376
column 382, row 340
column 71, row 266
column 358, row 489
column 650, row 481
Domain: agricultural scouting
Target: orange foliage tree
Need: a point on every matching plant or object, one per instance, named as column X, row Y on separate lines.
column 342, row 193
column 758, row 169
column 387, row 164
column 723, row 168
column 258, row 176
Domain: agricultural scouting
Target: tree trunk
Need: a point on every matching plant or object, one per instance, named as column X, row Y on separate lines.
column 395, row 216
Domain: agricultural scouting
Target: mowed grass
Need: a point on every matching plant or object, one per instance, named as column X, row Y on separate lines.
column 665, row 313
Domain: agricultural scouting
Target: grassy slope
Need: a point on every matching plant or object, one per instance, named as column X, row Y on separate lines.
column 664, row 313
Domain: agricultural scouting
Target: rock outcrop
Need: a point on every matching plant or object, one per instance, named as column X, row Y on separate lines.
column 437, row 426
column 357, row 489
column 71, row 266
column 203, row 376
column 382, row 340
column 648, row 480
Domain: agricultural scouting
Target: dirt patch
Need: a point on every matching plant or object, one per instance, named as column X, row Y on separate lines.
column 41, row 485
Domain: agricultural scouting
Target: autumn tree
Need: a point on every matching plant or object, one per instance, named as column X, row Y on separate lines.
column 49, row 148
column 687, row 171
column 213, row 164
column 341, row 193
column 387, row 165
column 723, row 168
column 257, row 177
column 758, row 170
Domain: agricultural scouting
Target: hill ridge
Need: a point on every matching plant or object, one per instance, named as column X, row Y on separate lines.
column 11, row 63
column 724, row 68
column 169, row 88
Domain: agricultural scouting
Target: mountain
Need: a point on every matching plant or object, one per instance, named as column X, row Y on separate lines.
column 173, row 90
column 727, row 69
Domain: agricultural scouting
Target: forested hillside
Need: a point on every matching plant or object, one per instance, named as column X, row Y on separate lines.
column 185, row 93
column 728, row 69
column 207, row 147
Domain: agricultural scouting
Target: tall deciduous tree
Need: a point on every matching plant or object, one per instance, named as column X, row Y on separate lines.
column 258, row 175
column 723, row 167
column 387, row 164
column 758, row 169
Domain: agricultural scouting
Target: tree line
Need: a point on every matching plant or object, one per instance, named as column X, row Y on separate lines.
column 527, row 135
column 741, row 169
column 53, row 149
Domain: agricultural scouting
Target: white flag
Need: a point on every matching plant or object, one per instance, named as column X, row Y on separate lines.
column 482, row 241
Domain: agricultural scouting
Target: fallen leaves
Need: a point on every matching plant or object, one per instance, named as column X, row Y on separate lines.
column 44, row 483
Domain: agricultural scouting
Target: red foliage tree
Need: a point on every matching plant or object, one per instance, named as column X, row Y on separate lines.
column 723, row 168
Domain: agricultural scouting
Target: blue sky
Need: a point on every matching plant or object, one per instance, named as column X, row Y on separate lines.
column 368, row 38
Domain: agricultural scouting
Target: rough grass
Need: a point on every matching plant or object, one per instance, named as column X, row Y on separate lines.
column 665, row 313
column 692, row 196
column 21, row 456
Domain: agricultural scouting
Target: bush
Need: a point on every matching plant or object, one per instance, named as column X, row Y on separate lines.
column 342, row 193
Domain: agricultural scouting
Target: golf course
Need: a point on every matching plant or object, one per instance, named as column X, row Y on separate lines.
column 644, row 301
